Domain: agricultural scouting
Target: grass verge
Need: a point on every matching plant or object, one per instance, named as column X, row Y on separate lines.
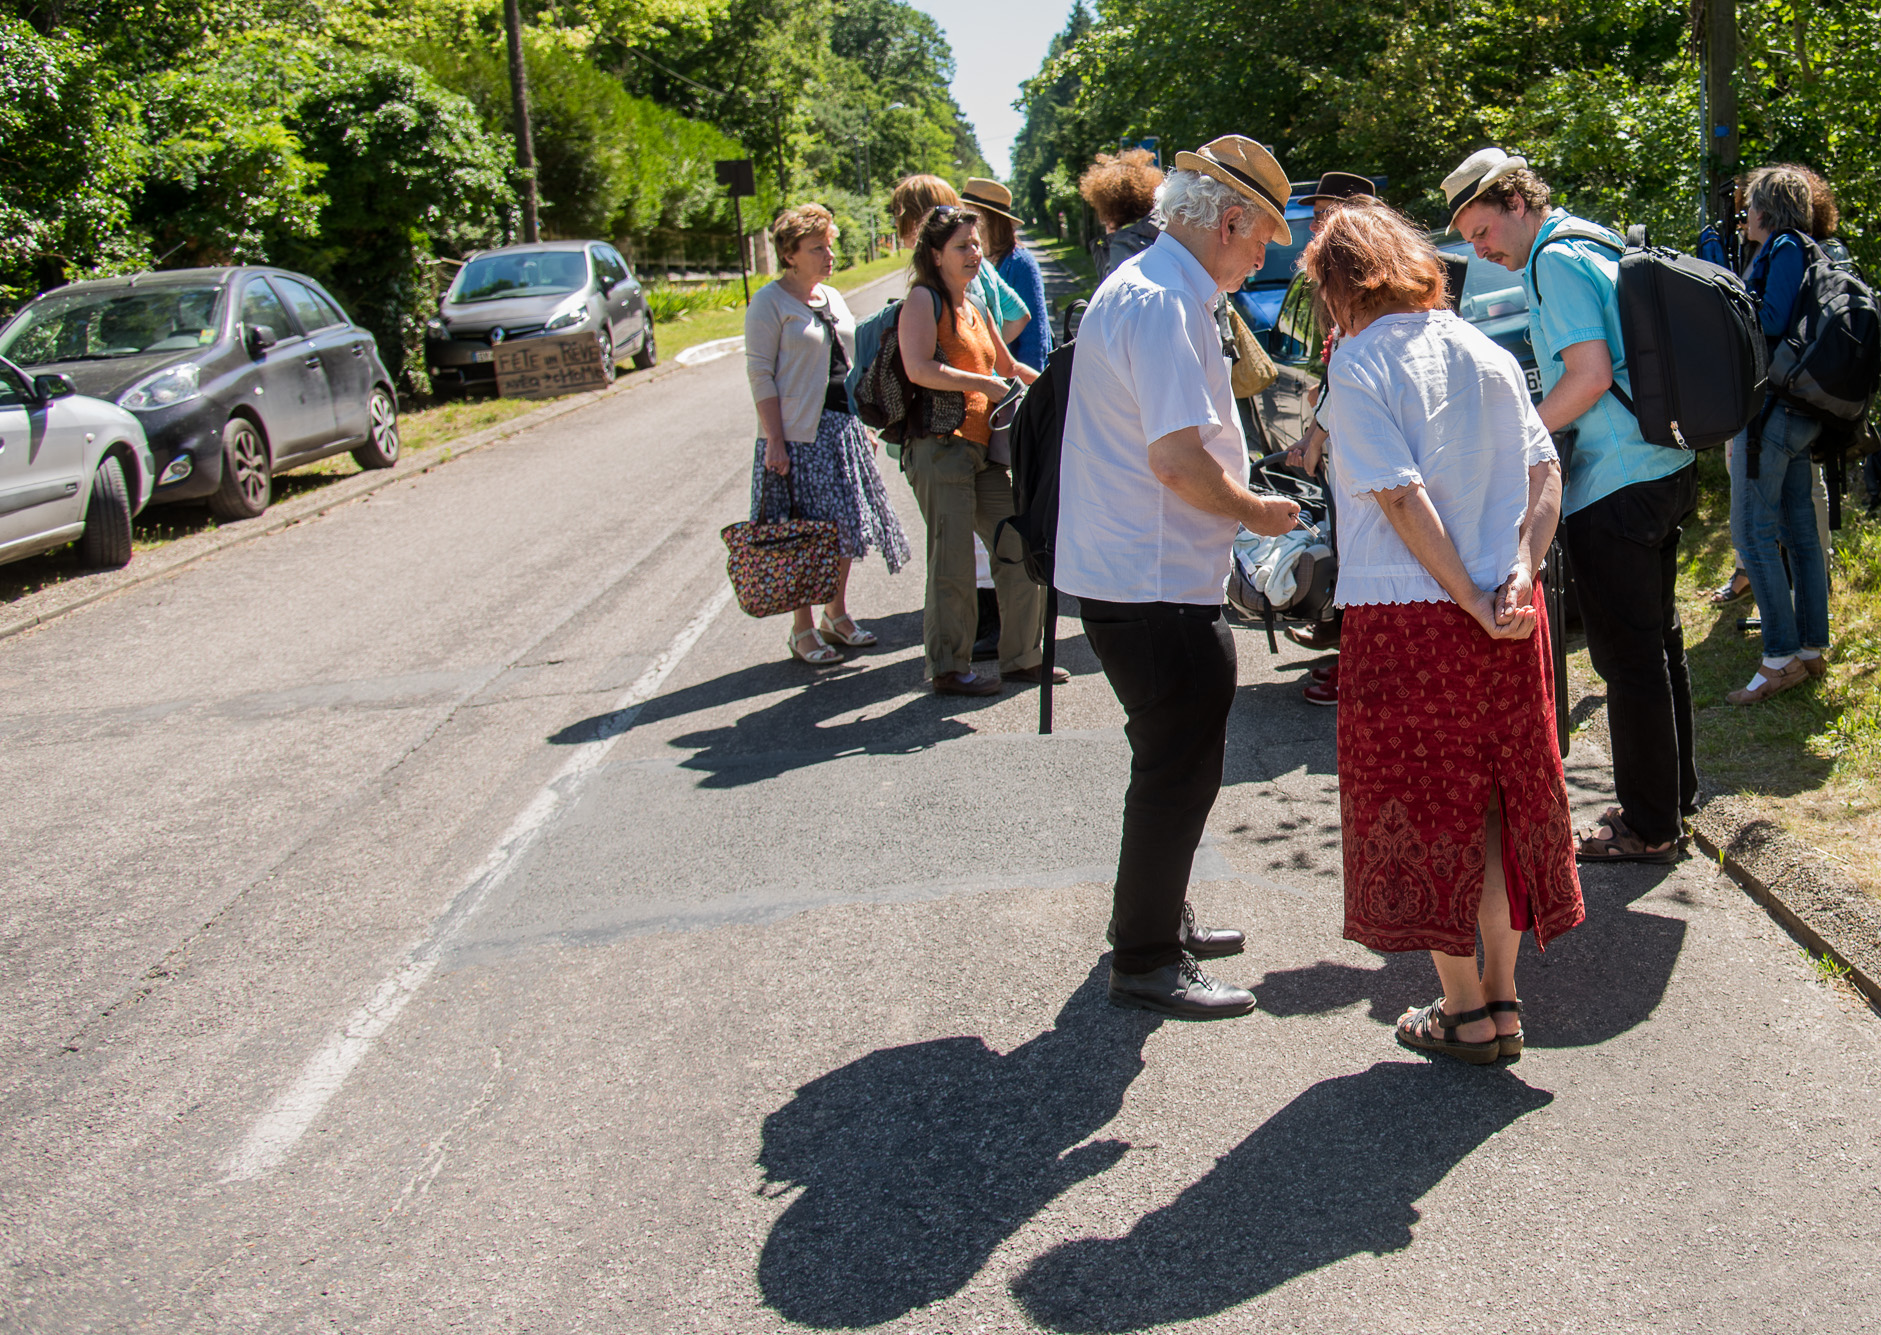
column 1076, row 263
column 1811, row 757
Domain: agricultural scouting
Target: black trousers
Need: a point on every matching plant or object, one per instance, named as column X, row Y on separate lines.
column 1624, row 550
column 1172, row 666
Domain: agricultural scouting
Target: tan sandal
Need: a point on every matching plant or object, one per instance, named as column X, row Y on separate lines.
column 821, row 656
column 1774, row 681
column 1510, row 1044
column 1417, row 1031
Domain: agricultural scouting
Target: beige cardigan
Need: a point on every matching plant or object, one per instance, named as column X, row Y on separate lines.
column 787, row 354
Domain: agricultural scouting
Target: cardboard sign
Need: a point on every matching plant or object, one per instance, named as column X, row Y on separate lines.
column 541, row 368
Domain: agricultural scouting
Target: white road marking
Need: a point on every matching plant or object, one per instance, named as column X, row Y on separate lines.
column 272, row 1137
column 700, row 353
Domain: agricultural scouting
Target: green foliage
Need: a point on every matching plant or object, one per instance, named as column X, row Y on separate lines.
column 608, row 164
column 71, row 150
column 224, row 180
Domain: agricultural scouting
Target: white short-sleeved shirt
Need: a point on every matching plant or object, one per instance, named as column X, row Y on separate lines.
column 1149, row 362
column 1429, row 398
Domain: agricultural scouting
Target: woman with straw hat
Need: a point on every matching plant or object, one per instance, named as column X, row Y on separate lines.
column 1014, row 263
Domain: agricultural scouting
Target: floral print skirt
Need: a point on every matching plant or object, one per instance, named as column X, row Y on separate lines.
column 1434, row 716
column 834, row 477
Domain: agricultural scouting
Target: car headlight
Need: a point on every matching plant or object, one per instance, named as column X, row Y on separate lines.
column 572, row 316
column 173, row 384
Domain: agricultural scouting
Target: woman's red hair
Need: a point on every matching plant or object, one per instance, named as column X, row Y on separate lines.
column 1372, row 259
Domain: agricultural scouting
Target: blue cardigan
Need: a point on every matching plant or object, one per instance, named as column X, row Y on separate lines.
column 1021, row 271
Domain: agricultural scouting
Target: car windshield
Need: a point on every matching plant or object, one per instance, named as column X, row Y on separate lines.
column 521, row 273
column 118, row 322
column 1489, row 290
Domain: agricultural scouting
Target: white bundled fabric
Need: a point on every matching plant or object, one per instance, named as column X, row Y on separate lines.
column 1270, row 564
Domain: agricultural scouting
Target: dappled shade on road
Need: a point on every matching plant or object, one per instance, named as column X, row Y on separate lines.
column 1335, row 1172
column 917, row 1162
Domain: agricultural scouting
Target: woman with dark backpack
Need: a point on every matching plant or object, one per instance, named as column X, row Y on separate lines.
column 1773, row 507
column 950, row 348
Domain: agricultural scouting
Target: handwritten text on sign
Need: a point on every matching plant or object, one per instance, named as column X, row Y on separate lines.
column 540, row 368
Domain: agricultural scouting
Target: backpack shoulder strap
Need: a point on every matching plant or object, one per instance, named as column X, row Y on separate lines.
column 1575, row 230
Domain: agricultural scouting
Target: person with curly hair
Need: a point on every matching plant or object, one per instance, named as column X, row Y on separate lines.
column 1121, row 190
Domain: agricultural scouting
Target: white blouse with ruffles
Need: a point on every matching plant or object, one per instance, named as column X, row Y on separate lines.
column 1428, row 398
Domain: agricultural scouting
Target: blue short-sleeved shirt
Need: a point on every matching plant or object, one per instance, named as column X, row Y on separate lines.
column 1579, row 303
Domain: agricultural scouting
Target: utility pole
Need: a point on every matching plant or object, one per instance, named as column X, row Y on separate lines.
column 1721, row 94
column 519, row 101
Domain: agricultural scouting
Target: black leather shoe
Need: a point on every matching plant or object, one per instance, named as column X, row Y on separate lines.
column 1180, row 989
column 1207, row 943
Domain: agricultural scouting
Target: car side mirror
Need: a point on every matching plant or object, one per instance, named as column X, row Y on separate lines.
column 54, row 386
column 261, row 337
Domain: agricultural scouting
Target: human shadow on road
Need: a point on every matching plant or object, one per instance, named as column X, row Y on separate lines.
column 1336, row 1172
column 1592, row 984
column 916, row 1162
column 885, row 707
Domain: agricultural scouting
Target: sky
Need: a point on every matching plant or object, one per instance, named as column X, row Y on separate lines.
column 998, row 44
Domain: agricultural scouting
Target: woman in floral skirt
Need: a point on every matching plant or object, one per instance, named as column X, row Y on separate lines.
column 813, row 455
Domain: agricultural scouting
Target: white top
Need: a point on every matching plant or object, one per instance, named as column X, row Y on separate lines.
column 1429, row 398
column 1149, row 362
column 787, row 353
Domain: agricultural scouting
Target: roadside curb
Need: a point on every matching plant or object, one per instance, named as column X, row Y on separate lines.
column 1812, row 900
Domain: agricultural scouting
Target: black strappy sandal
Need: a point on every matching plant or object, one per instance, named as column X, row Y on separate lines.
column 1414, row 1033
column 1509, row 1045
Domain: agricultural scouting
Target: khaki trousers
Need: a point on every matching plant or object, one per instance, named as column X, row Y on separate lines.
column 961, row 494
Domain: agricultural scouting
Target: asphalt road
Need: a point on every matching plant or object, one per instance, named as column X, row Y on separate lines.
column 449, row 915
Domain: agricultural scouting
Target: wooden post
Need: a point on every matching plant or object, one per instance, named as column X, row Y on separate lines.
column 1721, row 91
column 519, row 101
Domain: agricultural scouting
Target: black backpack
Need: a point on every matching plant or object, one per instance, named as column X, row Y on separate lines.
column 1830, row 362
column 1038, row 438
column 1695, row 351
column 1829, row 365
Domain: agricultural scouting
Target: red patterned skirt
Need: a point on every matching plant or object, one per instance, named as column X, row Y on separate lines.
column 1434, row 716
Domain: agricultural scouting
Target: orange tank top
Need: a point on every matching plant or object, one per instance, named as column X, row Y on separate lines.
column 967, row 344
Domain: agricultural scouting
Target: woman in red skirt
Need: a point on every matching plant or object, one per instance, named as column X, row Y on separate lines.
column 1450, row 785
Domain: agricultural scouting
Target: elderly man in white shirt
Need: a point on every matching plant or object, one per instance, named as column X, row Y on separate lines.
column 1153, row 485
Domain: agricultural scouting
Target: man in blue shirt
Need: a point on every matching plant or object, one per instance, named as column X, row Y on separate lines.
column 1623, row 505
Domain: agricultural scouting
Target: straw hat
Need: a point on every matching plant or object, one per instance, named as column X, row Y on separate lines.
column 1479, row 171
column 1342, row 185
column 989, row 195
column 1240, row 163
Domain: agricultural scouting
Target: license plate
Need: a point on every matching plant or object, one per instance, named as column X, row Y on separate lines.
column 1534, row 380
column 489, row 355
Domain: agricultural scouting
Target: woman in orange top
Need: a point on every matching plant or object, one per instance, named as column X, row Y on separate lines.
column 948, row 343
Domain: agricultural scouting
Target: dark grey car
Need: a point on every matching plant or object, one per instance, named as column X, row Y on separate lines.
column 235, row 374
column 548, row 287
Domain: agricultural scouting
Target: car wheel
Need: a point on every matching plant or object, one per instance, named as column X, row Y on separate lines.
column 106, row 542
column 609, row 367
column 247, row 480
column 381, row 449
column 649, row 354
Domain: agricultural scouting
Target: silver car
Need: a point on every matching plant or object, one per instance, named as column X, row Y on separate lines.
column 70, row 467
column 548, row 287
